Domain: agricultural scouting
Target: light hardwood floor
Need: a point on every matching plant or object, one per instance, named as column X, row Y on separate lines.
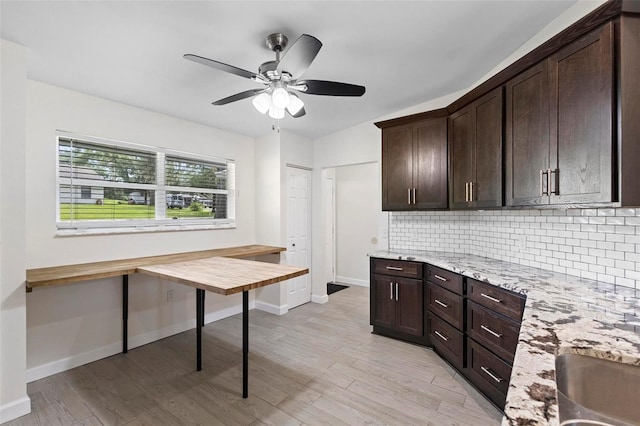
column 316, row 365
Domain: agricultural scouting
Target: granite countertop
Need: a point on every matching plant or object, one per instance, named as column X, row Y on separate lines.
column 563, row 314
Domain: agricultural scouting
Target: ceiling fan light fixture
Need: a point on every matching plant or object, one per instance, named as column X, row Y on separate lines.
column 276, row 113
column 280, row 97
column 295, row 104
column 262, row 103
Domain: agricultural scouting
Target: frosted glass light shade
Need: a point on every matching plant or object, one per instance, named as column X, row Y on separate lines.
column 276, row 113
column 280, row 98
column 262, row 102
column 295, row 104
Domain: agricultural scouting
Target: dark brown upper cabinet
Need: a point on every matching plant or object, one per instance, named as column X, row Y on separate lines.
column 559, row 126
column 414, row 165
column 475, row 153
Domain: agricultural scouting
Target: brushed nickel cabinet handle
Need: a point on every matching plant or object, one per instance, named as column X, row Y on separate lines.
column 444, row 305
column 437, row 333
column 490, row 374
column 466, row 192
column 391, row 291
column 408, row 195
column 414, row 195
column 470, row 191
column 544, row 176
column 553, row 180
column 440, row 278
column 394, row 268
column 493, row 299
column 490, row 331
column 396, row 292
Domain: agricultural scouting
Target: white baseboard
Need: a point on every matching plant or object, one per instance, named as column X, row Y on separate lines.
column 64, row 364
column 15, row 409
column 272, row 309
column 352, row 281
column 319, row 299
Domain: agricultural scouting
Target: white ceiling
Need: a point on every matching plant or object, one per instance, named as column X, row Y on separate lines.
column 405, row 53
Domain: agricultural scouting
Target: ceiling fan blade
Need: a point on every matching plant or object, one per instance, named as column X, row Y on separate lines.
column 330, row 88
column 299, row 56
column 239, row 96
column 223, row 67
column 298, row 114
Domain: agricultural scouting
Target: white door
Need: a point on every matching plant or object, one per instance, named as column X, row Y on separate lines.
column 299, row 234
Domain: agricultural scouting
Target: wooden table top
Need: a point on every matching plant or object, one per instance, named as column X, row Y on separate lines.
column 87, row 271
column 224, row 275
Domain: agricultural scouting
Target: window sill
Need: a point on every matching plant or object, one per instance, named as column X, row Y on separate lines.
column 78, row 232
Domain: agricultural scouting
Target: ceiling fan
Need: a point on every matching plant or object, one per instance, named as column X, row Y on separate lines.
column 281, row 78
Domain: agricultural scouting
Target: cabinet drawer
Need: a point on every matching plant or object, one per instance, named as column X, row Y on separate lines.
column 497, row 332
column 397, row 268
column 488, row 372
column 500, row 300
column 448, row 342
column 447, row 279
column 447, row 305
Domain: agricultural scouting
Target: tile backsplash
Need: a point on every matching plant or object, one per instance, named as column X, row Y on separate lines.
column 601, row 244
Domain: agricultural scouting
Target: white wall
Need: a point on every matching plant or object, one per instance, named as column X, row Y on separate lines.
column 273, row 152
column 357, row 205
column 14, row 401
column 73, row 324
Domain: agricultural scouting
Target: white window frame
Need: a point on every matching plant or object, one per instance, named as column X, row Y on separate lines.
column 160, row 223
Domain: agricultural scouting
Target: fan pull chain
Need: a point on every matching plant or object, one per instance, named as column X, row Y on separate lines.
column 275, row 125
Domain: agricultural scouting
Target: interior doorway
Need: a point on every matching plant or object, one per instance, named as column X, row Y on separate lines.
column 354, row 221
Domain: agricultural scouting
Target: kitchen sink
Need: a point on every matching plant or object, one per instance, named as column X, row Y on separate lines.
column 594, row 391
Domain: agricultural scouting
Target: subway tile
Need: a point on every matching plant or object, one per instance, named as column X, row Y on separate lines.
column 625, row 212
column 624, row 264
column 627, row 230
column 589, row 212
column 625, row 247
column 606, row 212
column 606, row 278
column 625, row 282
column 597, row 220
column 615, row 220
column 632, row 221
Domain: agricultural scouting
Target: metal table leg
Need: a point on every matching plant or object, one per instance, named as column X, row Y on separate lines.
column 125, row 312
column 245, row 344
column 199, row 325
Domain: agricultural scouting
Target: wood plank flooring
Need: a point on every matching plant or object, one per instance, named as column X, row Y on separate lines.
column 316, row 365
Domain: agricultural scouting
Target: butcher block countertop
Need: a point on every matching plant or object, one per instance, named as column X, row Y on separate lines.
column 55, row 275
column 223, row 275
column 563, row 314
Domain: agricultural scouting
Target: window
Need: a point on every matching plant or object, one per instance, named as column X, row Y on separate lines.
column 111, row 186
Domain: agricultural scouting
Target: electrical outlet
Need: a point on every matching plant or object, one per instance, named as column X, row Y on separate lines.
column 170, row 295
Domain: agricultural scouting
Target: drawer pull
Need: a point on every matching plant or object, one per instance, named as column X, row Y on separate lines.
column 493, row 299
column 440, row 335
column 440, row 278
column 490, row 374
column 394, row 268
column 490, row 331
column 444, row 305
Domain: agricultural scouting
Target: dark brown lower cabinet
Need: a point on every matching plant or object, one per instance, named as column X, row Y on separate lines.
column 446, row 340
column 472, row 325
column 488, row 372
column 396, row 299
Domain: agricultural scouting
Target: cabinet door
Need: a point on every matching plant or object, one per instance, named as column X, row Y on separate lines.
column 581, row 83
column 430, row 164
column 461, row 155
column 397, row 167
column 409, row 306
column 383, row 302
column 527, row 137
column 487, row 185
